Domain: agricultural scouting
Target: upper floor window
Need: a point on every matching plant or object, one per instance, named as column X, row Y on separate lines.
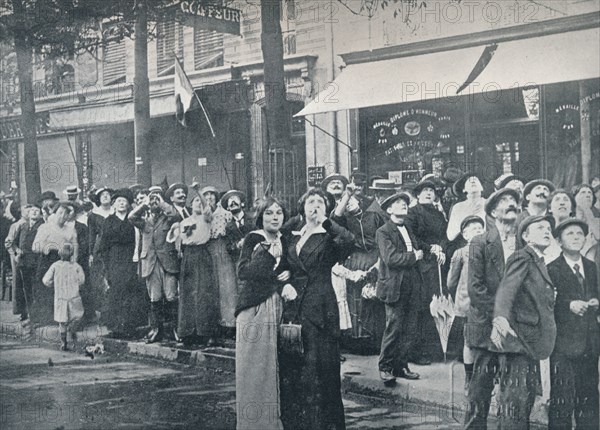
column 113, row 64
column 169, row 42
column 288, row 26
column 208, row 49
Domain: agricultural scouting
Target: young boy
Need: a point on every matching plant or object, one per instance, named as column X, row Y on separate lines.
column 458, row 280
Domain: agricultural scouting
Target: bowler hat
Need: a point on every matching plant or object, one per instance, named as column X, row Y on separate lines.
column 358, row 178
column 333, row 176
column 391, row 199
column 529, row 186
column 568, row 222
column 123, row 192
column 48, row 195
column 534, row 219
column 492, row 200
column 230, row 194
column 452, row 174
column 176, row 186
column 471, row 219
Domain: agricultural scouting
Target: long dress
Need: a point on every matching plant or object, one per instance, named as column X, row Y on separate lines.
column 311, row 388
column 258, row 315
column 97, row 281
column 199, row 308
column 223, row 268
column 124, row 308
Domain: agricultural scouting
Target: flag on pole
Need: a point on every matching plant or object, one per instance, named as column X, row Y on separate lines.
column 185, row 95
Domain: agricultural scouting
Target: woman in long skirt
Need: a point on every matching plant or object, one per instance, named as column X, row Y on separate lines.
column 199, row 312
column 123, row 310
column 263, row 275
column 223, row 267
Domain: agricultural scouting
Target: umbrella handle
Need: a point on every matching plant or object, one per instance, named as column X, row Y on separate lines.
column 440, row 279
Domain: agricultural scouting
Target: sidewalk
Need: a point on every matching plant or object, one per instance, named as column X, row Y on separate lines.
column 440, row 388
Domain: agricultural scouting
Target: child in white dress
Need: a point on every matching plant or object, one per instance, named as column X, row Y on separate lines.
column 66, row 277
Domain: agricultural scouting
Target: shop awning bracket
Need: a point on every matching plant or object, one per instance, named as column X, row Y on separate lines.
column 328, row 134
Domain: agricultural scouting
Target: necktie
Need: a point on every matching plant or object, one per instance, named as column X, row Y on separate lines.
column 580, row 277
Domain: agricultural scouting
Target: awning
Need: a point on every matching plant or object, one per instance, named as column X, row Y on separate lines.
column 422, row 77
column 563, row 57
column 107, row 113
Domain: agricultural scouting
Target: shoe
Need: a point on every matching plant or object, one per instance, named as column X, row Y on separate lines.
column 386, row 376
column 407, row 374
column 421, row 361
column 153, row 336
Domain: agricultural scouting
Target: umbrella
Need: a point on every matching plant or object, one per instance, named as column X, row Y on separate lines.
column 442, row 311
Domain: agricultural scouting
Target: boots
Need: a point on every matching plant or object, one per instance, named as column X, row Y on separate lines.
column 63, row 341
column 155, row 322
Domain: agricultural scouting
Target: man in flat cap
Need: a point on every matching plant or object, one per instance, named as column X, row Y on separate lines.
column 399, row 287
column 488, row 254
column 536, row 198
column 574, row 361
column 176, row 194
column 524, row 330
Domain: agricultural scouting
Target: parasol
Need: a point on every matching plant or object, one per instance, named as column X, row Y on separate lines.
column 442, row 311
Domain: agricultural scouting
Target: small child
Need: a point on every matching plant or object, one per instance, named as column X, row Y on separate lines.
column 458, row 278
column 66, row 277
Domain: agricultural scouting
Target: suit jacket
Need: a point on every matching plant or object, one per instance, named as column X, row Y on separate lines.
column 395, row 260
column 155, row 247
column 573, row 331
column 233, row 234
column 526, row 299
column 485, row 270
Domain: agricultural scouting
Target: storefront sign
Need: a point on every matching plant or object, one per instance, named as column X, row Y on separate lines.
column 315, row 175
column 11, row 128
column 209, row 17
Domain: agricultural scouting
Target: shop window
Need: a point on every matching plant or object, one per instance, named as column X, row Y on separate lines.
column 208, row 49
column 169, row 42
column 113, row 63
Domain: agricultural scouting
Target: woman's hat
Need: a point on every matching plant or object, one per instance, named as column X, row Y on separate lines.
column 209, row 189
column 230, row 194
column 391, row 199
column 123, row 192
column 459, row 185
column 568, row 222
column 96, row 196
column 424, row 183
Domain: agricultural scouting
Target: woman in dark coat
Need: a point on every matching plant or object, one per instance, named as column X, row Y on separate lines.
column 311, row 388
column 124, row 307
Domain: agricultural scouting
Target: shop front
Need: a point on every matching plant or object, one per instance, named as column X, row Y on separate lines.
column 523, row 101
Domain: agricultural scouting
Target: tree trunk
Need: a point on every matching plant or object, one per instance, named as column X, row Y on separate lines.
column 278, row 124
column 141, row 98
column 24, row 52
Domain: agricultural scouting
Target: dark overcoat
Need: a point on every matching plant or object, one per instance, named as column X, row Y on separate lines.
column 525, row 298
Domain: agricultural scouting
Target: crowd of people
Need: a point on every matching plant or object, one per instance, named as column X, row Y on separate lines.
column 356, row 259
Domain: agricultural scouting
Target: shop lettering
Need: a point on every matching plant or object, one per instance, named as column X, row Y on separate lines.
column 420, row 145
column 567, row 106
column 381, row 124
column 411, row 112
column 210, row 11
column 590, row 98
column 11, row 129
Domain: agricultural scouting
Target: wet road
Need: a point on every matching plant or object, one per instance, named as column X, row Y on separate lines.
column 42, row 388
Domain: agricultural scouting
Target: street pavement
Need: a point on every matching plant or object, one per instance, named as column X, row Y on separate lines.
column 43, row 388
